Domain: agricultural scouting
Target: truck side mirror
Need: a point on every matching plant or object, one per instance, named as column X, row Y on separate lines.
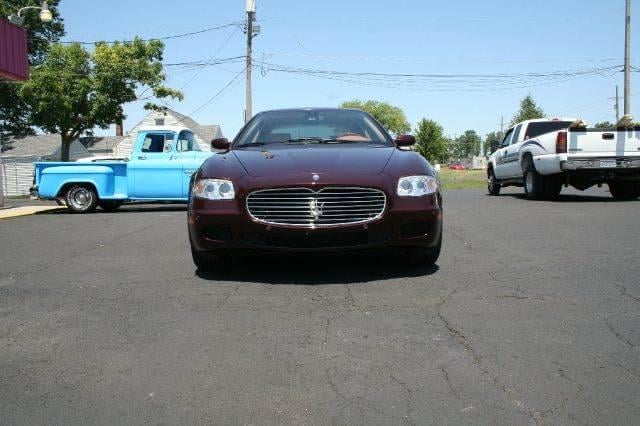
column 405, row 140
column 220, row 143
column 495, row 144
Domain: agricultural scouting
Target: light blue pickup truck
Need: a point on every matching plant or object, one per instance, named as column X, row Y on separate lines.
column 162, row 163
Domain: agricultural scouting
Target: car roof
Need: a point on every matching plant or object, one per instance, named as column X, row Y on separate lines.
column 315, row 109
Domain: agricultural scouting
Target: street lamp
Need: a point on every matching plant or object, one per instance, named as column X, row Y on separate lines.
column 45, row 14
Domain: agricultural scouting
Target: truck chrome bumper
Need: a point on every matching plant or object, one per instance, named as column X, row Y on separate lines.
column 600, row 164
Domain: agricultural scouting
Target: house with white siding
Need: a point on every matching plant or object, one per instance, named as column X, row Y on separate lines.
column 203, row 134
column 18, row 156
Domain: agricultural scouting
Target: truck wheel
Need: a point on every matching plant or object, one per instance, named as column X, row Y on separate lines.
column 534, row 183
column 624, row 190
column 493, row 185
column 109, row 205
column 82, row 199
column 552, row 186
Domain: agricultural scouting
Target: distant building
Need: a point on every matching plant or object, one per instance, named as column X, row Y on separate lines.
column 203, row 134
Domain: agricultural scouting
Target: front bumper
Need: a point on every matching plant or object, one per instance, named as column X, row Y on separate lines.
column 224, row 226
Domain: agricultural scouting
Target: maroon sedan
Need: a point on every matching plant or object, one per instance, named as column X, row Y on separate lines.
column 311, row 181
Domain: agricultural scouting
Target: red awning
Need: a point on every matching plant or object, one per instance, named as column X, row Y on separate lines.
column 14, row 61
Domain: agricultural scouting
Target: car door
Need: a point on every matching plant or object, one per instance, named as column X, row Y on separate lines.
column 156, row 173
column 500, row 168
column 512, row 157
column 190, row 156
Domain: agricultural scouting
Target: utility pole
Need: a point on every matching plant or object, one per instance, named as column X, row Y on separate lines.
column 251, row 16
column 617, row 106
column 627, row 58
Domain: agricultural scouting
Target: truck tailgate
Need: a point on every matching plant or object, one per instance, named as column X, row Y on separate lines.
column 613, row 143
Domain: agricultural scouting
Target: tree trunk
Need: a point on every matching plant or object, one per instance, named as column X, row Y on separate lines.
column 66, row 145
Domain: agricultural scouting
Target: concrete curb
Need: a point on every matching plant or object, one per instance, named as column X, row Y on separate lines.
column 11, row 212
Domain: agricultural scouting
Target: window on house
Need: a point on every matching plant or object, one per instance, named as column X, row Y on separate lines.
column 159, row 121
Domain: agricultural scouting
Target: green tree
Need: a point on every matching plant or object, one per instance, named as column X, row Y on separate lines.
column 14, row 112
column 528, row 110
column 604, row 125
column 74, row 91
column 493, row 136
column 430, row 142
column 391, row 117
column 466, row 145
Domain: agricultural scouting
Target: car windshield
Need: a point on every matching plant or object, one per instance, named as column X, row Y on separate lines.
column 310, row 127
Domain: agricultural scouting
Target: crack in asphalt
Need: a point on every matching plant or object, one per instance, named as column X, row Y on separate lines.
column 618, row 335
column 534, row 414
column 409, row 400
column 445, row 374
column 624, row 292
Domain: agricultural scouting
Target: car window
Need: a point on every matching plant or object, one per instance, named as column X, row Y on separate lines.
column 516, row 134
column 507, row 138
column 187, row 142
column 157, row 142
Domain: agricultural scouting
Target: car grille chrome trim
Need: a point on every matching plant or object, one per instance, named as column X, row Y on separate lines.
column 326, row 207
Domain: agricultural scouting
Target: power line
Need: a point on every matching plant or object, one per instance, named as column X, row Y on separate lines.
column 169, row 37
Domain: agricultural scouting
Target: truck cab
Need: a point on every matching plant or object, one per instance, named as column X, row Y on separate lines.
column 162, row 162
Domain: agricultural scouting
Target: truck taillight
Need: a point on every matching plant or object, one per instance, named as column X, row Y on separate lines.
column 561, row 143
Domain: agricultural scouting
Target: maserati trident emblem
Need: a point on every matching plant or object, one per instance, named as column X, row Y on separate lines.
column 315, row 177
column 315, row 209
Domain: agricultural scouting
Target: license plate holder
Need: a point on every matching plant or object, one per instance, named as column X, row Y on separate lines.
column 608, row 163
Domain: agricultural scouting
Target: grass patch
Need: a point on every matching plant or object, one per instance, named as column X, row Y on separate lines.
column 462, row 179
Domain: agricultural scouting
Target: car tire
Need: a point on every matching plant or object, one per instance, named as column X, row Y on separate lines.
column 210, row 262
column 81, row 199
column 426, row 256
column 534, row 183
column 624, row 190
column 109, row 205
column 493, row 185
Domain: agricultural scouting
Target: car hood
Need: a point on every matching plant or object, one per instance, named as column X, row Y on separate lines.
column 302, row 160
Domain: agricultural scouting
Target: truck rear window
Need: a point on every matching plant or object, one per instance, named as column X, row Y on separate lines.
column 536, row 129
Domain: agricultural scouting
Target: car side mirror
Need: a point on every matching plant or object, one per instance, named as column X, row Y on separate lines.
column 405, row 140
column 495, row 144
column 220, row 143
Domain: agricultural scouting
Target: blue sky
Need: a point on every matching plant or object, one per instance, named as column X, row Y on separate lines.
column 382, row 36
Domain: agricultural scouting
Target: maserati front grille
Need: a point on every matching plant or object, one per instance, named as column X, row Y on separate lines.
column 326, row 207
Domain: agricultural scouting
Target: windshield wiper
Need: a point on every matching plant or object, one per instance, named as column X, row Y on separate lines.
column 252, row 144
column 340, row 141
column 304, row 140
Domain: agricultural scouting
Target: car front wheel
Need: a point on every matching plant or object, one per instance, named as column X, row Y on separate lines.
column 492, row 183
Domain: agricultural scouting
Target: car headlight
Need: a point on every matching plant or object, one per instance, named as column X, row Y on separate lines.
column 416, row 186
column 214, row 189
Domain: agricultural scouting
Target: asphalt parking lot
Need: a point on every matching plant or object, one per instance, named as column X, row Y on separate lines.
column 532, row 315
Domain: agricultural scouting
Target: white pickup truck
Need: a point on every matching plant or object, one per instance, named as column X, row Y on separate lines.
column 543, row 155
